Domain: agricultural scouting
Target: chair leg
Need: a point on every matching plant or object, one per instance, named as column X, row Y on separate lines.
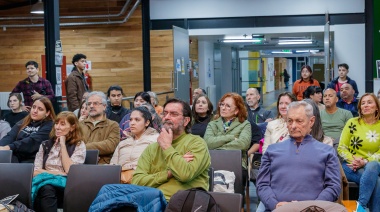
column 247, row 199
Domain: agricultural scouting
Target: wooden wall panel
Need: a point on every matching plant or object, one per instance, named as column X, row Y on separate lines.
column 115, row 52
column 194, row 58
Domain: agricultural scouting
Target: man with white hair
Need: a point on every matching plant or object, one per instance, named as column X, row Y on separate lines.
column 299, row 168
column 99, row 132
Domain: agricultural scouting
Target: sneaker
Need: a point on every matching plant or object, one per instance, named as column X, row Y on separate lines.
column 359, row 208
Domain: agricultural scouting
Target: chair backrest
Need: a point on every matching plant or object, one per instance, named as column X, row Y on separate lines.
column 84, row 183
column 92, row 157
column 228, row 201
column 5, row 156
column 229, row 160
column 16, row 178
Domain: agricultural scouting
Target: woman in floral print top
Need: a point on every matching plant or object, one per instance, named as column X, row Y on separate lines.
column 359, row 146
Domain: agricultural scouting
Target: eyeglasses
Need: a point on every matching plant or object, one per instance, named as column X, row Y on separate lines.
column 227, row 106
column 171, row 114
column 94, row 103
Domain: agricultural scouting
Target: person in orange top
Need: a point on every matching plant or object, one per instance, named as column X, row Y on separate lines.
column 306, row 80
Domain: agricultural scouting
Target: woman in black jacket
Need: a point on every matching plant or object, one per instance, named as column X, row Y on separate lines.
column 202, row 114
column 25, row 137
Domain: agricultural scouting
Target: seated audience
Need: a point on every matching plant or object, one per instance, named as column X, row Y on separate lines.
column 230, row 130
column 316, row 130
column 179, row 160
column 291, row 159
column 277, row 130
column 115, row 110
column 99, row 132
column 333, row 118
column 140, row 98
column 305, row 81
column 201, row 111
column 83, row 111
column 314, row 93
column 26, row 137
column 129, row 150
column 55, row 156
column 337, row 83
column 348, row 101
column 154, row 100
column 197, row 92
column 259, row 114
column 4, row 127
column 359, row 146
column 16, row 114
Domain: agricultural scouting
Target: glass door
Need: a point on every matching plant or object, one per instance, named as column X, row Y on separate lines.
column 251, row 74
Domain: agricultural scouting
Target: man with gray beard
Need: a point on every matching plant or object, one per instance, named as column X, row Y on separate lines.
column 179, row 160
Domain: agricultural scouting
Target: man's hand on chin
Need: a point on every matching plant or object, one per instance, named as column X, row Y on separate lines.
column 165, row 138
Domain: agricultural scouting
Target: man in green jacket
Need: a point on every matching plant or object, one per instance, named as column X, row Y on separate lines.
column 179, row 160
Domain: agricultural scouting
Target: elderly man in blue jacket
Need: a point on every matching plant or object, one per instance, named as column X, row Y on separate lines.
column 299, row 168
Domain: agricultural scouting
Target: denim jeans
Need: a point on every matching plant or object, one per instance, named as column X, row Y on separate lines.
column 369, row 183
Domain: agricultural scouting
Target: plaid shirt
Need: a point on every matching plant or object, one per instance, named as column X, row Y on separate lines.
column 26, row 87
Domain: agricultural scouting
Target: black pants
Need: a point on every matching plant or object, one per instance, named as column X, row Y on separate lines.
column 48, row 199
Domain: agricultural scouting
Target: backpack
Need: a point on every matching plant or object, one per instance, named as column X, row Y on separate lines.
column 17, row 206
column 192, row 200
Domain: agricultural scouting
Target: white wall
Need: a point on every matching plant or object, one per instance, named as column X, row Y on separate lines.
column 206, row 67
column 349, row 47
column 172, row 9
column 269, row 84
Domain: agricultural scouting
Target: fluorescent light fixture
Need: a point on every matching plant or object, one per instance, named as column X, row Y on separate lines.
column 311, row 50
column 294, row 43
column 293, row 40
column 242, row 41
column 37, row 8
column 278, row 52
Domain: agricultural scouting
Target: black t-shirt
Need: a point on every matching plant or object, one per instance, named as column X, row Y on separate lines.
column 12, row 118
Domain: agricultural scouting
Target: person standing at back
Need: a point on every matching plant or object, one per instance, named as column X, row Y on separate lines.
column 337, row 83
column 286, row 78
column 75, row 83
column 34, row 86
column 305, row 81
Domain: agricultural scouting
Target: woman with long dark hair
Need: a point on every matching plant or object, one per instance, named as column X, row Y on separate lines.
column 305, row 81
column 129, row 150
column 140, row 98
column 202, row 114
column 26, row 137
column 16, row 114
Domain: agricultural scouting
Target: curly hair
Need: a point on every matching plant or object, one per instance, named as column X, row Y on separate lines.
column 239, row 102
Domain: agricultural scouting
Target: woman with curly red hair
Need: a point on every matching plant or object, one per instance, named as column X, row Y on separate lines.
column 230, row 129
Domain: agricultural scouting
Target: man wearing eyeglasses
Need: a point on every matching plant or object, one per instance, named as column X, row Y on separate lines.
column 99, row 132
column 179, row 160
